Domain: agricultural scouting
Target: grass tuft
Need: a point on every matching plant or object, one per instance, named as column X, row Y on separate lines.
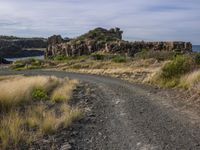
column 11, row 129
column 22, row 122
column 190, row 79
column 64, row 92
column 14, row 92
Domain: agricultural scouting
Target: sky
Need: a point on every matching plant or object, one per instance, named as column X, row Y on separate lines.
column 149, row 20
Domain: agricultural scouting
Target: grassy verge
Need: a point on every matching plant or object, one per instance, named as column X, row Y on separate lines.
column 161, row 68
column 31, row 63
column 132, row 69
column 31, row 107
column 182, row 71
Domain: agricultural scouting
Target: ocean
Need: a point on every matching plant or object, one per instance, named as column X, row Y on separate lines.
column 196, row 48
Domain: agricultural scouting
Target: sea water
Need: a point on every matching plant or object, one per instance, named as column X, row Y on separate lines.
column 196, row 48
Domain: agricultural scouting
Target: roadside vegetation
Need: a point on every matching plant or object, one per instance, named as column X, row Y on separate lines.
column 182, row 71
column 30, row 63
column 31, row 107
column 121, row 66
column 162, row 68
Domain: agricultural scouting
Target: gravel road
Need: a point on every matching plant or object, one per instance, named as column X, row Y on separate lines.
column 130, row 117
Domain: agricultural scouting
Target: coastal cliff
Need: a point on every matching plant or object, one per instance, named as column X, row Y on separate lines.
column 11, row 46
column 109, row 41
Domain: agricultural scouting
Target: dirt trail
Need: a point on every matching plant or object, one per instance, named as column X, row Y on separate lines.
column 128, row 116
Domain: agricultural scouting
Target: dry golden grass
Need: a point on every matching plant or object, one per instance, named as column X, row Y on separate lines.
column 190, row 79
column 18, row 90
column 37, row 119
column 64, row 92
column 69, row 115
column 11, row 129
column 34, row 115
column 51, row 122
column 140, row 70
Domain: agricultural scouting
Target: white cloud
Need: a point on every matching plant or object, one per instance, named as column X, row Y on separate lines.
column 148, row 20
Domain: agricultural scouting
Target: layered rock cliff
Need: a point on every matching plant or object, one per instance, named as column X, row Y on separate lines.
column 109, row 41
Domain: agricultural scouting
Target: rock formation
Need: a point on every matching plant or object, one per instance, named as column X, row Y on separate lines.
column 109, row 41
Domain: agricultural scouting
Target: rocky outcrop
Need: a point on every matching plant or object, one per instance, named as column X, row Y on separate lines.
column 109, row 41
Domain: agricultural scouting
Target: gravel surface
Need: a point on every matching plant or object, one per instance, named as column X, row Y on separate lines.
column 124, row 116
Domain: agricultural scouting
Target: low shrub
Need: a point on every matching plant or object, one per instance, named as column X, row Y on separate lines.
column 181, row 64
column 39, row 94
column 197, row 58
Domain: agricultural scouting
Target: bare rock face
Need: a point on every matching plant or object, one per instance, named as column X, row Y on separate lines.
column 53, row 45
column 109, row 41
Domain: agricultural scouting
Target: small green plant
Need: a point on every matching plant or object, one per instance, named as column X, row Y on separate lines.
column 39, row 94
column 97, row 56
column 119, row 59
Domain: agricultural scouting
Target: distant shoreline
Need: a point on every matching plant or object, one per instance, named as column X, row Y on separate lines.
column 24, row 53
column 22, row 58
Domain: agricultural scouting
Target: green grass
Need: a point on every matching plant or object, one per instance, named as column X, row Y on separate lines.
column 119, row 59
column 30, row 63
column 172, row 72
column 178, row 66
column 39, row 94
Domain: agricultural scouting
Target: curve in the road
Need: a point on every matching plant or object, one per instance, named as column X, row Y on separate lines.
column 134, row 117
